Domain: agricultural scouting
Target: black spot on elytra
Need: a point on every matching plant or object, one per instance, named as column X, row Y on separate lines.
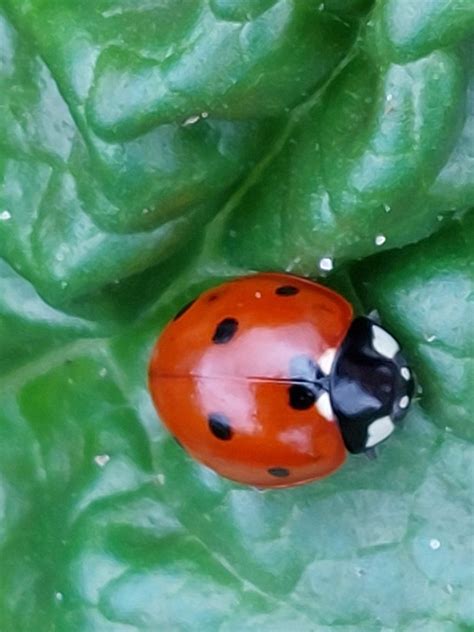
column 286, row 290
column 219, row 425
column 279, row 472
column 184, row 309
column 225, row 331
column 301, row 397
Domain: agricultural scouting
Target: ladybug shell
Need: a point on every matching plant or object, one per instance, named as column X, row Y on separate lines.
column 222, row 370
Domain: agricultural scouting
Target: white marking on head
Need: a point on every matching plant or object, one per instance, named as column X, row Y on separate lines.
column 324, row 406
column 379, row 430
column 404, row 401
column 327, row 360
column 384, row 343
column 405, row 373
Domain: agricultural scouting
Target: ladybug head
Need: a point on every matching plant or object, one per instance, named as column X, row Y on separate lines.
column 371, row 386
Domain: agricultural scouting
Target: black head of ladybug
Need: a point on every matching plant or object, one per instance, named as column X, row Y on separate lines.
column 371, row 386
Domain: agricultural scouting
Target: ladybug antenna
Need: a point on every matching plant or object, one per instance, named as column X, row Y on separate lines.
column 374, row 315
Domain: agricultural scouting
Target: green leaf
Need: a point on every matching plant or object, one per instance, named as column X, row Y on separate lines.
column 407, row 30
column 84, row 213
column 151, row 149
column 127, row 526
column 369, row 149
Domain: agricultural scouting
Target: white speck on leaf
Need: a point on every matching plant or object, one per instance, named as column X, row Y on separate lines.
column 160, row 478
column 64, row 284
column 191, row 120
column 430, row 338
column 326, row 264
column 387, row 208
column 146, row 211
column 204, row 114
column 103, row 372
column 5, row 216
column 101, row 460
column 232, row 233
column 59, row 596
column 389, row 96
column 435, row 544
column 380, row 240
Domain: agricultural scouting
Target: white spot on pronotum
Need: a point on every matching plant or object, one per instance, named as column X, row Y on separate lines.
column 324, row 406
column 326, row 264
column 327, row 360
column 380, row 240
column 103, row 372
column 258, row 295
column 384, row 343
column 405, row 373
column 191, row 120
column 5, row 216
column 434, row 544
column 101, row 460
column 404, row 401
column 379, row 430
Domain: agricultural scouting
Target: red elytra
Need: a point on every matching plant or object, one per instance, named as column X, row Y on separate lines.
column 222, row 377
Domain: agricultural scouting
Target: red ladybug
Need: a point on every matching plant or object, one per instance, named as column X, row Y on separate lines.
column 269, row 380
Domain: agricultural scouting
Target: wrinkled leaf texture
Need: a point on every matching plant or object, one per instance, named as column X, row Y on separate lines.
column 151, row 149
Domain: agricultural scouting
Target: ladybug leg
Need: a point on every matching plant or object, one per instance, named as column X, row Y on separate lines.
column 375, row 316
column 371, row 454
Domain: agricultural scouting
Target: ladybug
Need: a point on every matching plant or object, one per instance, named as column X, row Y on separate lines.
column 269, row 380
